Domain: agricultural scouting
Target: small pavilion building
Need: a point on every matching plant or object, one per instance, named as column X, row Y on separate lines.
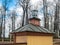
column 33, row 33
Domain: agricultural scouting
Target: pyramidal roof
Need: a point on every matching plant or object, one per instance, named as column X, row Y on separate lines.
column 32, row 28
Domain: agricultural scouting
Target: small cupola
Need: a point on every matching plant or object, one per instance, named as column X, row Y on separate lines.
column 34, row 18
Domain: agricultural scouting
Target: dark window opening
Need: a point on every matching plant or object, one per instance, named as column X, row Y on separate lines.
column 59, row 32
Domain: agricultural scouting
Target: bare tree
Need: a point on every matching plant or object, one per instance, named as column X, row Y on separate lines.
column 1, row 21
column 5, row 8
column 57, row 20
column 46, row 17
column 24, row 4
column 13, row 19
column 10, row 36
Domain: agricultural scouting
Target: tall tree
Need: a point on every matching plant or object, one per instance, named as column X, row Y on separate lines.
column 5, row 8
column 57, row 19
column 24, row 4
column 1, row 21
column 13, row 19
column 46, row 18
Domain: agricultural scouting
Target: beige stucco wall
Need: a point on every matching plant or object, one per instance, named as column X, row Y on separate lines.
column 40, row 40
column 35, row 40
column 21, row 39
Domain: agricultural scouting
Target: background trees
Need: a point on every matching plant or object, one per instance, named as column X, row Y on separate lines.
column 47, row 10
column 24, row 4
